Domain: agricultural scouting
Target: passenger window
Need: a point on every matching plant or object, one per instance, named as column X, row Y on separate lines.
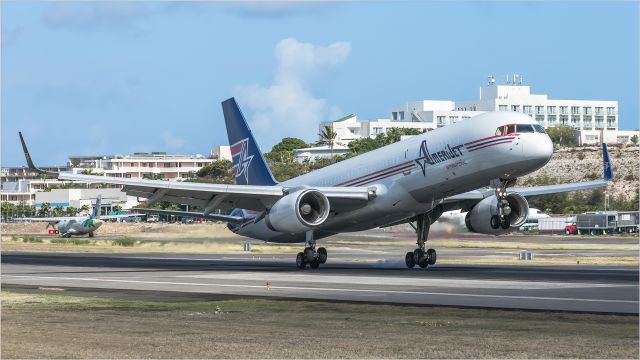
column 510, row 129
column 499, row 131
column 525, row 128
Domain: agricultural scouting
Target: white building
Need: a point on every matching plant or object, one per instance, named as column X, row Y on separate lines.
column 139, row 165
column 595, row 120
column 79, row 197
column 320, row 152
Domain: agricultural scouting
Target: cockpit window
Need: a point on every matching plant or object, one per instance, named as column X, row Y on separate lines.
column 539, row 129
column 510, row 129
column 499, row 131
column 525, row 128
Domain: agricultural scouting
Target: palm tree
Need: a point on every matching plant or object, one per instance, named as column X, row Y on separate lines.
column 45, row 209
column 71, row 211
column 328, row 136
column 85, row 208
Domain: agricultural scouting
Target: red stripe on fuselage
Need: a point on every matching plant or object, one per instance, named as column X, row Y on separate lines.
column 373, row 173
column 495, row 143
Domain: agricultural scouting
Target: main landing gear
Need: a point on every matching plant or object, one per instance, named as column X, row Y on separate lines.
column 419, row 256
column 310, row 256
column 502, row 219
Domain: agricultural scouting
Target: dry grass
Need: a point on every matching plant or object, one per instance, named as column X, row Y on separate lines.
column 50, row 326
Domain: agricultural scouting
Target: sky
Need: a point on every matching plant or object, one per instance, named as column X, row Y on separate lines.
column 87, row 78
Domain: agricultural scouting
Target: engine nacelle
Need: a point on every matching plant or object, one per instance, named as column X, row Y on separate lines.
column 298, row 212
column 479, row 217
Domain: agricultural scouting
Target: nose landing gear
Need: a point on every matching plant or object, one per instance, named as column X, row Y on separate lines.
column 502, row 219
column 419, row 256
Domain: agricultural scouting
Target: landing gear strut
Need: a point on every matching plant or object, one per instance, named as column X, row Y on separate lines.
column 502, row 219
column 310, row 256
column 419, row 256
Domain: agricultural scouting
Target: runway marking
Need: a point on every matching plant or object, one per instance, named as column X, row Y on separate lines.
column 275, row 287
column 401, row 281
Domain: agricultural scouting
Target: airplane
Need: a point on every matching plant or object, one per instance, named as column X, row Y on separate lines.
column 77, row 225
column 471, row 166
column 457, row 218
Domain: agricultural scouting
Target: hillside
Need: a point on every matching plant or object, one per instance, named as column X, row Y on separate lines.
column 571, row 164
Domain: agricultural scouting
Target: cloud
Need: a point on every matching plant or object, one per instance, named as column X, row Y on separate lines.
column 287, row 107
column 171, row 141
column 91, row 15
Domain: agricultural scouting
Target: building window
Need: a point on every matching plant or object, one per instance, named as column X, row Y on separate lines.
column 515, row 108
column 466, row 117
column 623, row 139
column 401, row 115
column 442, row 120
column 394, row 116
column 599, row 122
column 564, row 120
column 503, row 108
column 526, row 109
column 590, row 137
column 564, row 110
column 611, row 121
column 588, row 110
column 575, row 120
column 377, row 130
column 587, row 122
column 551, row 110
column 575, row 110
column 599, row 111
column 539, row 110
column 552, row 120
column 611, row 111
column 540, row 119
column 453, row 119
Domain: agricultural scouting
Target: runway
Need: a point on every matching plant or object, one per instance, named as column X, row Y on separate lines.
column 560, row 288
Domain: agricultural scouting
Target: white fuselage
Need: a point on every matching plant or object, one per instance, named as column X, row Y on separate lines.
column 413, row 176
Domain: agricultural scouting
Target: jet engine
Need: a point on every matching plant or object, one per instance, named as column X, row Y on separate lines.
column 515, row 208
column 298, row 212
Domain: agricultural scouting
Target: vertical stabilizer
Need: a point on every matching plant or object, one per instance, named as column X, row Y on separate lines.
column 96, row 209
column 249, row 166
column 608, row 172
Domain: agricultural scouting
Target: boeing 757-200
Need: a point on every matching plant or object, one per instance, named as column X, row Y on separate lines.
column 470, row 165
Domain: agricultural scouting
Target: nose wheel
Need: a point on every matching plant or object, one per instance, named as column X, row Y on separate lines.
column 420, row 256
column 502, row 219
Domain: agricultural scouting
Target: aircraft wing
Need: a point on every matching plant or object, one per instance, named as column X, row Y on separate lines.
column 219, row 217
column 51, row 220
column 221, row 196
column 108, row 217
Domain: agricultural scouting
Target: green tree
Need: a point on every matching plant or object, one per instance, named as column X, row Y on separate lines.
column 8, row 210
column 117, row 208
column 85, row 208
column 218, row 172
column 45, row 209
column 394, row 134
column 289, row 144
column 71, row 211
column 563, row 135
column 634, row 139
column 58, row 211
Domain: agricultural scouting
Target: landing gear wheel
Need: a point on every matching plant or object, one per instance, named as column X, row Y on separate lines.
column 417, row 255
column 424, row 262
column 408, row 259
column 91, row 234
column 505, row 222
column 66, row 235
column 314, row 264
column 322, row 255
column 495, row 221
column 300, row 263
column 309, row 255
column 432, row 256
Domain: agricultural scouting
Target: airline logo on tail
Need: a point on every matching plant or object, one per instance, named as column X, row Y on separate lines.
column 241, row 158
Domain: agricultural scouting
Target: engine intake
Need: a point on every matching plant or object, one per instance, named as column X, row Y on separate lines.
column 479, row 217
column 298, row 212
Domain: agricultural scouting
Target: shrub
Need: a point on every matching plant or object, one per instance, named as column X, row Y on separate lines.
column 31, row 239
column 123, row 241
column 581, row 156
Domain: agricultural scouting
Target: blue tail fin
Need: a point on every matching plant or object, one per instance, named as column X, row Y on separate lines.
column 608, row 172
column 249, row 165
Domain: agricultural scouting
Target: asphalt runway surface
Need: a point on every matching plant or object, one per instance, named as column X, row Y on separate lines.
column 583, row 288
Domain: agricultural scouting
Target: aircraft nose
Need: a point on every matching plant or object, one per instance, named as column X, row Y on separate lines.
column 538, row 150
